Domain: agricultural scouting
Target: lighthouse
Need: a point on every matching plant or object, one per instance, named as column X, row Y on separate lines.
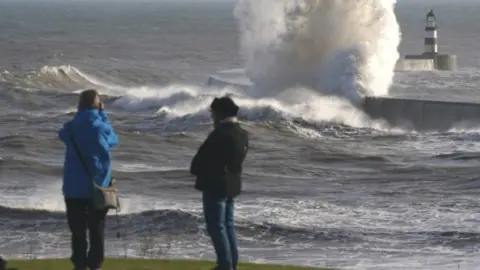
column 431, row 35
column 430, row 59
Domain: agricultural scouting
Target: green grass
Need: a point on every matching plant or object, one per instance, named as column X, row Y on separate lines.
column 121, row 264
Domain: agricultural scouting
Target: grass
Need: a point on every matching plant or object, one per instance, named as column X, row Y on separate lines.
column 151, row 252
column 121, row 264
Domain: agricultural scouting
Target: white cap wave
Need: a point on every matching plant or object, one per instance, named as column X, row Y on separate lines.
column 341, row 47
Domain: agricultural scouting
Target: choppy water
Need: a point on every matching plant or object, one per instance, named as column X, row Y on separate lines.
column 324, row 185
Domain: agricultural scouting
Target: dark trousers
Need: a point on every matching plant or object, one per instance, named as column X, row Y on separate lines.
column 3, row 263
column 81, row 217
column 219, row 219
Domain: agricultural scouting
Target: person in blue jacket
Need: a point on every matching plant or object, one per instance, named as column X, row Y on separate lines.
column 94, row 136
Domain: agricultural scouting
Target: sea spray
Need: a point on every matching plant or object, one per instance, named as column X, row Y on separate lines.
column 346, row 48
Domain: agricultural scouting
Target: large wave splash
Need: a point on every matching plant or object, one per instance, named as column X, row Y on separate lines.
column 347, row 48
column 184, row 106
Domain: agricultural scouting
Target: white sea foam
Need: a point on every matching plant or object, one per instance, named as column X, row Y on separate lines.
column 342, row 47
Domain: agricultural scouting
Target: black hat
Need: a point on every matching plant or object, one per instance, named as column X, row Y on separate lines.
column 225, row 105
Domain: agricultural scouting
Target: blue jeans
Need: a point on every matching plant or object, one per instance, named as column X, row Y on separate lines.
column 218, row 212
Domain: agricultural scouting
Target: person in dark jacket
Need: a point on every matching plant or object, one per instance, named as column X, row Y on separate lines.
column 94, row 136
column 3, row 263
column 218, row 168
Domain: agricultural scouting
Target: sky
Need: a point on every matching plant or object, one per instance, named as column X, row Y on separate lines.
column 221, row 1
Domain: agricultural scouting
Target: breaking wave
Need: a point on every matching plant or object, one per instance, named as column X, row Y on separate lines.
column 339, row 47
column 187, row 105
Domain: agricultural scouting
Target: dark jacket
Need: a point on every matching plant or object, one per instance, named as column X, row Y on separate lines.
column 94, row 137
column 219, row 161
column 3, row 263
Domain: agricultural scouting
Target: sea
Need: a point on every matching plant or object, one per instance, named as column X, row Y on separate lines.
column 324, row 185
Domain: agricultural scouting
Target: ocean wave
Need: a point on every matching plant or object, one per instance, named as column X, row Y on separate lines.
column 63, row 78
column 15, row 141
column 164, row 220
column 187, row 105
column 177, row 221
column 31, row 168
column 179, row 107
column 127, row 171
column 460, row 156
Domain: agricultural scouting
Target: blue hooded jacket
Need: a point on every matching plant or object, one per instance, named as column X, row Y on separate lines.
column 94, row 137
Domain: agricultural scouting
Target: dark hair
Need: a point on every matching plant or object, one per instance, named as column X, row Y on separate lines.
column 87, row 98
column 225, row 106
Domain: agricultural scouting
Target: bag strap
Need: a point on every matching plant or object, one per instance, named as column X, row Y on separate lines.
column 80, row 155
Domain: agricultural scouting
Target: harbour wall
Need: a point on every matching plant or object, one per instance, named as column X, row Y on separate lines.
column 427, row 62
column 423, row 115
column 415, row 64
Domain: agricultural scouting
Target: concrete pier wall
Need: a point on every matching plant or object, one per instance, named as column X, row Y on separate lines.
column 446, row 62
column 427, row 62
column 423, row 115
column 415, row 64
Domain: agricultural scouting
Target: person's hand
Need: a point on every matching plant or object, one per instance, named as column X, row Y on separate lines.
column 101, row 106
